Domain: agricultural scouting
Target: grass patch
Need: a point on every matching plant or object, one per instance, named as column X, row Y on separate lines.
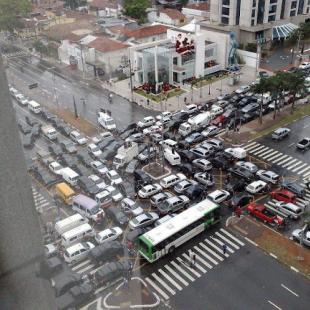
column 158, row 98
column 285, row 120
column 209, row 81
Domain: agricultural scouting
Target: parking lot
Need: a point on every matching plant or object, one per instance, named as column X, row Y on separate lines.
column 196, row 165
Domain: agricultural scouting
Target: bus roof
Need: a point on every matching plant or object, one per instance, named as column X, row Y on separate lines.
column 180, row 221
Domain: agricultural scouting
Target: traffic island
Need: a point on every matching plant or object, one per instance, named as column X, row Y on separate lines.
column 156, row 170
column 288, row 252
column 132, row 294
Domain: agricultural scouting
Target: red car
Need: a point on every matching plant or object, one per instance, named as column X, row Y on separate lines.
column 262, row 213
column 283, row 195
column 219, row 120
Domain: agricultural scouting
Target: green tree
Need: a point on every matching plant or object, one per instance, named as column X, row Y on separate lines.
column 40, row 47
column 296, row 85
column 73, row 4
column 136, row 9
column 260, row 88
column 10, row 13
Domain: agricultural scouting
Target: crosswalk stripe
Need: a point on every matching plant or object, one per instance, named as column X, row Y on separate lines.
column 232, row 236
column 210, row 251
column 228, row 241
column 39, row 198
column 170, row 279
column 202, row 261
column 216, row 247
column 188, row 268
column 292, row 166
column 188, row 276
column 250, row 144
column 86, row 268
column 302, row 200
column 222, row 243
column 85, row 262
column 304, row 170
column 306, row 175
column 257, row 153
column 276, row 158
column 163, row 283
column 176, row 275
column 251, row 147
column 267, row 153
column 36, row 194
column 284, row 161
column 270, row 155
column 196, row 265
column 159, row 290
column 300, row 204
column 299, row 167
column 256, row 149
column 46, row 203
column 289, row 163
column 206, row 255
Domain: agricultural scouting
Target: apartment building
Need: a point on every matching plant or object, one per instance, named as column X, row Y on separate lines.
column 252, row 19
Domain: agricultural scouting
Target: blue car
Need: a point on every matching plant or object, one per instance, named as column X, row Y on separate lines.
column 194, row 138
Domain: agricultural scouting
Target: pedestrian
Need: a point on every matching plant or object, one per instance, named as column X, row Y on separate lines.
column 194, row 259
column 224, row 249
column 190, row 258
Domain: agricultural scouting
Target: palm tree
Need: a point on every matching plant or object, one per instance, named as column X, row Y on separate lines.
column 296, row 85
column 260, row 88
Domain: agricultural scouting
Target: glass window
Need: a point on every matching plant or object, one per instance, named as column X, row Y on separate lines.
column 254, row 3
column 272, row 9
column 175, row 60
column 271, row 18
column 253, row 12
column 294, row 5
column 226, row 2
column 209, row 52
column 225, row 11
column 225, row 20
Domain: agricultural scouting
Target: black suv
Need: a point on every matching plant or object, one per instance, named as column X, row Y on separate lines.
column 107, row 251
column 242, row 172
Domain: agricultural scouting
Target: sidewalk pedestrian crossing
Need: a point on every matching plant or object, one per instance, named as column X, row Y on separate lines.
column 180, row 272
column 273, row 156
column 41, row 203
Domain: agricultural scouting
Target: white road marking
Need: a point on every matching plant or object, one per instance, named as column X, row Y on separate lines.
column 289, row 290
column 206, row 255
column 284, row 161
column 289, row 163
column 191, row 270
column 267, row 153
column 306, row 175
column 196, row 264
column 222, row 243
column 163, row 283
column 228, row 241
column 43, row 204
column 257, row 149
column 261, row 151
column 210, row 251
column 304, row 170
column 183, row 271
column 299, row 167
column 270, row 155
column 277, row 307
column 160, row 291
column 291, row 144
column 276, row 158
column 250, row 144
column 176, row 275
column 232, row 236
column 170, row 279
column 217, row 248
column 292, row 166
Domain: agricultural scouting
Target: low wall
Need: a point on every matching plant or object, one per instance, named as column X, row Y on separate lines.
column 248, row 57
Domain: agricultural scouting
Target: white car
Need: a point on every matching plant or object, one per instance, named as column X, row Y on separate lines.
column 99, row 167
column 130, row 206
column 115, row 193
column 247, row 165
column 202, row 164
column 163, row 121
column 77, row 137
column 243, row 89
column 94, row 150
column 268, row 176
column 99, row 182
column 256, row 187
column 149, row 190
column 114, row 177
column 164, row 115
column 143, row 220
column 190, row 109
column 101, row 137
column 55, row 167
column 109, row 234
column 77, row 252
column 151, row 129
column 210, row 131
column 22, row 100
column 304, row 65
column 146, row 122
column 218, row 196
column 204, row 178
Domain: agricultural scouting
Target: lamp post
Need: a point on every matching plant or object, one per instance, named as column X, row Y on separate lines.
column 200, row 94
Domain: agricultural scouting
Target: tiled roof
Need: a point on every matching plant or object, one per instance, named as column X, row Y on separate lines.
column 204, row 6
column 104, row 45
column 102, row 4
column 173, row 14
column 145, row 32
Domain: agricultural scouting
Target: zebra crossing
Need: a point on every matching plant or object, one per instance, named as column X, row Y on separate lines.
column 16, row 54
column 179, row 273
column 41, row 203
column 273, row 156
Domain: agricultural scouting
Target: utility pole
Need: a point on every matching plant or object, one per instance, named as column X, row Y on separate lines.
column 75, row 108
column 130, row 79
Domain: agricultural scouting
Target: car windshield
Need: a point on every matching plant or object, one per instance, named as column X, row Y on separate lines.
column 94, row 210
column 114, row 176
column 110, row 122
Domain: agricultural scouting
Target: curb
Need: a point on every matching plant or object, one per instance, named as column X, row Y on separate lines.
column 294, row 269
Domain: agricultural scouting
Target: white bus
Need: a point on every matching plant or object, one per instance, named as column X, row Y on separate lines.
column 164, row 238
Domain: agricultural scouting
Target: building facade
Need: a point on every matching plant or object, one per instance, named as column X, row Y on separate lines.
column 252, row 19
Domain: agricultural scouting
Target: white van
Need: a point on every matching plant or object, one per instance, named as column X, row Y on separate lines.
column 34, row 107
column 69, row 223
column 172, row 156
column 171, row 180
column 77, row 252
column 70, row 176
column 106, row 121
column 237, row 152
column 76, row 234
column 216, row 110
column 169, row 143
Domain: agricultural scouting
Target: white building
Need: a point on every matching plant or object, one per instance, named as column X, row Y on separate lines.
column 199, row 11
column 103, row 8
column 170, row 17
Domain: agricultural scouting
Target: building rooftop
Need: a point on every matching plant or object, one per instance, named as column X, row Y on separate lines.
column 102, row 4
column 104, row 44
column 202, row 6
column 173, row 13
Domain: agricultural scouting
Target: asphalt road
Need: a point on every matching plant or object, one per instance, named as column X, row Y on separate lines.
column 249, row 279
column 56, row 90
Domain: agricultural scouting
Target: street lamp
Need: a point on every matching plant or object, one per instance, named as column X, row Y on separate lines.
column 200, row 94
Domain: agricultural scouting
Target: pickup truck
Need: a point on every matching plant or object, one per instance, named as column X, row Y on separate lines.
column 303, row 144
column 261, row 212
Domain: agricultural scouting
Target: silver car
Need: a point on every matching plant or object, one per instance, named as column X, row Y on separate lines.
column 247, row 165
column 143, row 220
column 159, row 198
column 298, row 234
column 204, row 178
column 268, row 176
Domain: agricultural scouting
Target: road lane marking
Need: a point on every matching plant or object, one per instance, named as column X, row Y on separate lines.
column 299, row 167
column 222, row 243
column 257, row 148
column 183, row 271
column 291, row 144
column 217, row 248
column 276, row 158
column 163, row 283
column 277, row 307
column 196, row 264
column 231, row 236
column 206, row 255
column 159, row 290
column 250, row 144
column 228, row 241
column 270, row 155
column 289, row 163
column 262, row 151
column 177, row 276
column 304, row 170
column 267, row 153
column 296, row 164
column 285, row 160
column 170, row 279
column 191, row 270
column 289, row 290
column 210, row 251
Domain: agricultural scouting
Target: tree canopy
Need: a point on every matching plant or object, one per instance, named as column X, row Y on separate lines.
column 136, row 9
column 73, row 4
column 10, row 10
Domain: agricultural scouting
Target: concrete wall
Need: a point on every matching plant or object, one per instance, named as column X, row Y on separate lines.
column 248, row 57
